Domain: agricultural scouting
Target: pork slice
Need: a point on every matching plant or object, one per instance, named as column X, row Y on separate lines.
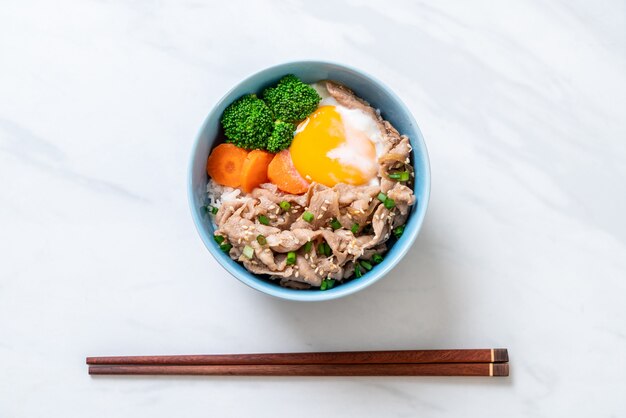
column 258, row 268
column 270, row 192
column 235, row 227
column 348, row 194
column 386, row 184
column 323, row 205
column 403, row 196
column 369, row 252
column 402, row 146
column 294, row 285
column 380, row 224
column 361, row 211
column 338, row 242
column 392, row 136
column 347, row 98
column 285, row 241
column 227, row 209
column 348, row 270
column 327, row 268
column 306, row 273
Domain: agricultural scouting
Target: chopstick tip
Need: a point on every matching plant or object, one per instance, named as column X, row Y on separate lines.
column 500, row 369
column 500, row 355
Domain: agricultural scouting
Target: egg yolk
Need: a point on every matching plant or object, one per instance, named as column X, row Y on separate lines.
column 327, row 151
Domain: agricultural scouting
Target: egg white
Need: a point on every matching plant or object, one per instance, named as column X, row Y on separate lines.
column 357, row 123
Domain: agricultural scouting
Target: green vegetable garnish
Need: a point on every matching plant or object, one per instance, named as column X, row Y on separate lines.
column 381, row 196
column 397, row 231
column 355, row 228
column 307, row 247
column 308, row 216
column 324, row 249
column 248, row 122
column 248, row 251
column 291, row 258
column 389, row 203
column 365, row 265
column 357, row 270
column 377, row 258
column 399, row 175
column 291, row 100
column 261, row 239
column 226, row 247
column 264, row 220
column 284, row 205
column 327, row 284
column 218, row 238
column 335, row 224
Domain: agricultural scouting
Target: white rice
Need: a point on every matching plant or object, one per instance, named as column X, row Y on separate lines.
column 217, row 194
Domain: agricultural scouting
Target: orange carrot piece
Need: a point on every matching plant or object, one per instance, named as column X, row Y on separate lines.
column 284, row 175
column 254, row 170
column 225, row 163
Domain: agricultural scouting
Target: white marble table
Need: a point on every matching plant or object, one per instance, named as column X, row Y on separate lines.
column 522, row 105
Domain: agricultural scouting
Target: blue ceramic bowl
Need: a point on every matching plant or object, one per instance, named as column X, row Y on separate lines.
column 365, row 86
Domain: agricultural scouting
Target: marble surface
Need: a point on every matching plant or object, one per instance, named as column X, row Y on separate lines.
column 522, row 106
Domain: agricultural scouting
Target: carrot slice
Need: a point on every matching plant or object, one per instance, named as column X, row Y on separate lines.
column 284, row 175
column 254, row 170
column 225, row 163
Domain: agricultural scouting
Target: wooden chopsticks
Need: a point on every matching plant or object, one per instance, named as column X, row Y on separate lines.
column 479, row 362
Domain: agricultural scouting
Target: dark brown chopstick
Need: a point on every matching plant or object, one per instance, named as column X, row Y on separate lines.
column 427, row 369
column 489, row 355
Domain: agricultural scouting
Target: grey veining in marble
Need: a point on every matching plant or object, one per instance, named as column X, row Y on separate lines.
column 522, row 105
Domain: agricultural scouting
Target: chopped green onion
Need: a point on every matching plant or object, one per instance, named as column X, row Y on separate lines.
column 365, row 265
column 214, row 210
column 382, row 197
column 327, row 284
column 308, row 216
column 264, row 220
column 355, row 228
column 389, row 203
column 284, row 205
column 399, row 175
column 218, row 238
column 248, row 251
column 226, row 247
column 377, row 258
column 334, row 224
column 261, row 239
column 397, row 231
column 307, row 247
column 324, row 249
column 291, row 258
column 357, row 270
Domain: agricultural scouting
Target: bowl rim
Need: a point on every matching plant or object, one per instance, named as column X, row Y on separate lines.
column 381, row 270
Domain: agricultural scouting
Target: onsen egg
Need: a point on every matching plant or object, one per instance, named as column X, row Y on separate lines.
column 337, row 145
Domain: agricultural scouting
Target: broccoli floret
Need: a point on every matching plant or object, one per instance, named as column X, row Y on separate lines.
column 248, row 122
column 281, row 136
column 291, row 100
